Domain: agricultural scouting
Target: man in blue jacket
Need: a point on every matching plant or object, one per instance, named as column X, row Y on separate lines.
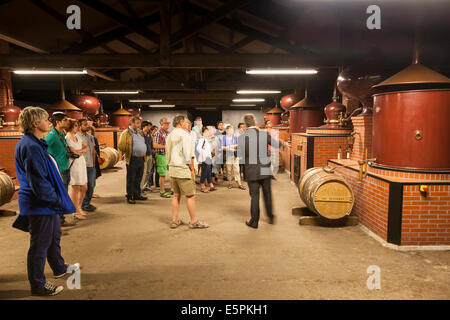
column 42, row 198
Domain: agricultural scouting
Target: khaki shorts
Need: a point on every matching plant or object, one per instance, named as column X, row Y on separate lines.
column 183, row 186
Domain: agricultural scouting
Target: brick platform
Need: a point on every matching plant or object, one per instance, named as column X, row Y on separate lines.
column 8, row 143
column 315, row 147
column 108, row 136
column 391, row 206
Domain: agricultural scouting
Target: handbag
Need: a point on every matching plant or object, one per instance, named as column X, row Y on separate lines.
column 21, row 223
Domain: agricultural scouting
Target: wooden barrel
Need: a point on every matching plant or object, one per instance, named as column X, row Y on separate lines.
column 6, row 188
column 110, row 157
column 326, row 193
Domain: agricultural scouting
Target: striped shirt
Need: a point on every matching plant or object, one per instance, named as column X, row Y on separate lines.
column 160, row 138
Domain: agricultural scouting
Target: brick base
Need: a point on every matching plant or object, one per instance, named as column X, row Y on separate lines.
column 393, row 208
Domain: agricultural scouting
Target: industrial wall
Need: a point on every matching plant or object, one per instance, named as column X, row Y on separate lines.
column 156, row 115
column 234, row 117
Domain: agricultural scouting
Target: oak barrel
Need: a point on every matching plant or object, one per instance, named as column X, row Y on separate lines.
column 6, row 188
column 110, row 157
column 326, row 193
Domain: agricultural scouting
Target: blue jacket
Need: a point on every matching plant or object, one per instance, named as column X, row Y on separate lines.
column 41, row 190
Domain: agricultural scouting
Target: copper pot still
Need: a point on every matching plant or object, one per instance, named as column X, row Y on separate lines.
column 101, row 120
column 357, row 81
column 411, row 120
column 121, row 118
column 88, row 104
column 274, row 115
column 9, row 113
column 286, row 102
column 304, row 114
column 334, row 113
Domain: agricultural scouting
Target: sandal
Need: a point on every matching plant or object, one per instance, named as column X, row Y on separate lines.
column 242, row 187
column 80, row 217
column 165, row 195
column 205, row 191
column 230, row 186
column 198, row 225
column 212, row 189
column 176, row 224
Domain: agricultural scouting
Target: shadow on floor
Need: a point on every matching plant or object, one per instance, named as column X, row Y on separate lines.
column 14, row 294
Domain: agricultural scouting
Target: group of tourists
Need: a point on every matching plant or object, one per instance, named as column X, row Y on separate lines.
column 50, row 159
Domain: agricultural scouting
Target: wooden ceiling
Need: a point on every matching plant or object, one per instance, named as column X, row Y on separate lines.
column 194, row 51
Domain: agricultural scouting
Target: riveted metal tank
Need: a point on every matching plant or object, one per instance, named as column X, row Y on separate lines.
column 304, row 114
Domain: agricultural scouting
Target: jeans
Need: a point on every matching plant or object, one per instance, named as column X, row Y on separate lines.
column 45, row 231
column 206, row 173
column 92, row 176
column 134, row 176
column 65, row 177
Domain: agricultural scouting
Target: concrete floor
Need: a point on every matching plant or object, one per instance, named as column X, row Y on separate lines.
column 129, row 252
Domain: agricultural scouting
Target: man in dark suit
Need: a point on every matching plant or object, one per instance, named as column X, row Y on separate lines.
column 254, row 155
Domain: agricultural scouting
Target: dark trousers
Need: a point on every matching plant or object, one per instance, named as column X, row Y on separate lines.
column 135, row 170
column 254, row 187
column 206, row 170
column 45, row 234
column 91, row 176
column 65, row 177
column 153, row 180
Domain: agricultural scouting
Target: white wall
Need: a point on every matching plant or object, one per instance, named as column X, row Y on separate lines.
column 155, row 116
column 234, row 117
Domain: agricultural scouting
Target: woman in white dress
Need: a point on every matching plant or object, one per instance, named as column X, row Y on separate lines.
column 78, row 172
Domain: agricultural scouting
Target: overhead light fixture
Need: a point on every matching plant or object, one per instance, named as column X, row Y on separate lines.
column 258, row 91
column 249, row 100
column 117, row 92
column 161, row 105
column 44, row 72
column 145, row 100
column 282, row 71
column 242, row 105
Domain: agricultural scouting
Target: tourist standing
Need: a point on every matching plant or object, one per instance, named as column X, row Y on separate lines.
column 205, row 160
column 229, row 146
column 90, row 157
column 180, row 156
column 42, row 198
column 146, row 130
column 159, row 143
column 77, row 165
column 132, row 145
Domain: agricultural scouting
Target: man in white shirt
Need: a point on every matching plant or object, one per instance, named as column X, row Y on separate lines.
column 180, row 157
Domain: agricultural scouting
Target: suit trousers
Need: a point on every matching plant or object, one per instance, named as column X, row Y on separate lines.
column 254, row 187
column 45, row 231
column 135, row 170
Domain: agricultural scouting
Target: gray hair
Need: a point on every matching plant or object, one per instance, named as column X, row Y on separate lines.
column 162, row 120
column 29, row 116
column 249, row 120
column 176, row 121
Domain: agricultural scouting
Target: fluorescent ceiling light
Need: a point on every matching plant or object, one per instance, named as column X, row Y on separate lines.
column 161, row 105
column 145, row 100
column 117, row 92
column 257, row 91
column 242, row 105
column 56, row 71
column 249, row 100
column 281, row 71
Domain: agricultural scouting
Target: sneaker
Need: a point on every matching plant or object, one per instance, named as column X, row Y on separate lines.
column 49, row 289
column 89, row 208
column 69, row 269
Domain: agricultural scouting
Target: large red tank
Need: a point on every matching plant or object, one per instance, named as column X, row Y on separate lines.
column 121, row 118
column 411, row 120
column 304, row 114
column 274, row 115
column 289, row 100
column 88, row 104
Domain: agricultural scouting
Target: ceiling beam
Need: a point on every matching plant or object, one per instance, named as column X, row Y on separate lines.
column 162, row 85
column 202, row 61
column 116, row 33
column 130, row 23
column 207, row 19
column 30, row 47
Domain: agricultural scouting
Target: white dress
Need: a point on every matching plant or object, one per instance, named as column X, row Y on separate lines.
column 78, row 172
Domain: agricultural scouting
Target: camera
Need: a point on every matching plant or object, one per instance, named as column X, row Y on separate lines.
column 72, row 155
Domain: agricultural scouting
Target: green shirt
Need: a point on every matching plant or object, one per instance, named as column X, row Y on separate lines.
column 58, row 149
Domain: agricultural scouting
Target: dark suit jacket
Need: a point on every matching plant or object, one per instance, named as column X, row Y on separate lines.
column 253, row 153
